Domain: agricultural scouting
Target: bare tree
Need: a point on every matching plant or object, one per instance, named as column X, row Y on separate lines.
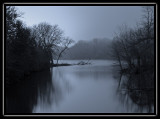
column 122, row 46
column 65, row 45
column 47, row 37
column 116, row 53
column 136, row 48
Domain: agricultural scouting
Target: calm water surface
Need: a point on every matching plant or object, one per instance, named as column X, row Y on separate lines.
column 71, row 89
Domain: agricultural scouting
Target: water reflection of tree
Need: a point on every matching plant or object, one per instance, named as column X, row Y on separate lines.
column 54, row 93
column 23, row 96
column 133, row 90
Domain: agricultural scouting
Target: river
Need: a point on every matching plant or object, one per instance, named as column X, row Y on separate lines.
column 71, row 89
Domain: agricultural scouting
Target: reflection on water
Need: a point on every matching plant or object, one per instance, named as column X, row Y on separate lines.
column 72, row 89
column 135, row 93
column 23, row 96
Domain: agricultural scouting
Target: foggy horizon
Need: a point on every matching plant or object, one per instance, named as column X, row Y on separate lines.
column 83, row 22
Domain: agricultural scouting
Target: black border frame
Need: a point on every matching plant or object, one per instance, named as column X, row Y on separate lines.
column 82, row 4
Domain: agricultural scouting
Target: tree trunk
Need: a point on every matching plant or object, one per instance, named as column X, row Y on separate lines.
column 58, row 59
column 61, row 54
column 119, row 60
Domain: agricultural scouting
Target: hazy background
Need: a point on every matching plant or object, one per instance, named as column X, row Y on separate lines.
column 83, row 22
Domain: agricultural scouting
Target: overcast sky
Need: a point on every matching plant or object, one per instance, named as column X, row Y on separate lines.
column 83, row 22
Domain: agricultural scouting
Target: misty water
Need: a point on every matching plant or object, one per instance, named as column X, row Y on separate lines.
column 71, row 89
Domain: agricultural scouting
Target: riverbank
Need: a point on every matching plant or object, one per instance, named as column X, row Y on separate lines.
column 57, row 65
column 67, row 64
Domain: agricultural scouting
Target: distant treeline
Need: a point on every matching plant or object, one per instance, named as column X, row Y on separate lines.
column 29, row 49
column 93, row 49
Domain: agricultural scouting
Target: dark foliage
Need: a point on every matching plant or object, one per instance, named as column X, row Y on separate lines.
column 28, row 49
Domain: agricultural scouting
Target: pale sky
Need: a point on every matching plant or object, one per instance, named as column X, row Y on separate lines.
column 83, row 22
